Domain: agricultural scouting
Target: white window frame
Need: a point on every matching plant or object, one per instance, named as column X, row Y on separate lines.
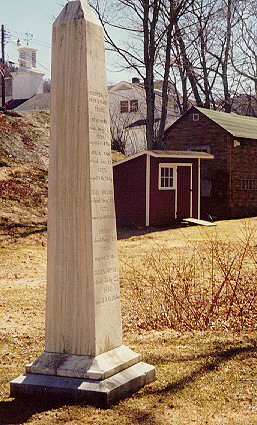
column 174, row 177
column 195, row 117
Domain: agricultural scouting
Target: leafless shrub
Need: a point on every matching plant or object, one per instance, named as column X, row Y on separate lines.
column 209, row 285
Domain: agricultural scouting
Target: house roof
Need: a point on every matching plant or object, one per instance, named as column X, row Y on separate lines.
column 140, row 123
column 40, row 102
column 167, row 154
column 125, row 85
column 237, row 125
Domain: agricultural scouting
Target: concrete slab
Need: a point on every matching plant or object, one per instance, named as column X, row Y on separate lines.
column 199, row 222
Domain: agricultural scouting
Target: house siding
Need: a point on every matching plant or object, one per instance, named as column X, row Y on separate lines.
column 133, row 139
column 231, row 163
column 130, row 192
column 132, row 179
column 242, row 165
column 162, row 202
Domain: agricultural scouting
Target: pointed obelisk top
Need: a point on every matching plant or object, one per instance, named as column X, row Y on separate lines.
column 75, row 10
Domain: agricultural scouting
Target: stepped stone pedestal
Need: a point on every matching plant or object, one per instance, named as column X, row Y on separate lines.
column 84, row 359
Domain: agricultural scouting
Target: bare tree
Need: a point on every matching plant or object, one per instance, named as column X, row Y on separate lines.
column 150, row 27
column 205, row 48
column 47, row 86
column 206, row 37
column 244, row 52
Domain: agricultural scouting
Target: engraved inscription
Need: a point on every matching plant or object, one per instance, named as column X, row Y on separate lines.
column 102, row 201
column 105, row 300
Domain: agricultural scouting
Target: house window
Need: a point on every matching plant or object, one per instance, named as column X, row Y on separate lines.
column 200, row 148
column 176, row 108
column 166, row 177
column 195, row 117
column 34, row 61
column 248, row 184
column 134, row 105
column 124, row 106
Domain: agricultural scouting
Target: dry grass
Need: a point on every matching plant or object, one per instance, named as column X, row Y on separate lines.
column 203, row 377
column 208, row 283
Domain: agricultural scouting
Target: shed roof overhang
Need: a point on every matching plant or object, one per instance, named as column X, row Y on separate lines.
column 167, row 154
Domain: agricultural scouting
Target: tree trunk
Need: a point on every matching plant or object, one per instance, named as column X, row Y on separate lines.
column 227, row 99
column 188, row 67
column 149, row 57
column 165, row 98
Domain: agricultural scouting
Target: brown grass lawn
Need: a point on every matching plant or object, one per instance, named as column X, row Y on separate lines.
column 204, row 376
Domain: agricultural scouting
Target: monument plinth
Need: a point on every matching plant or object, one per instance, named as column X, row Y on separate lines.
column 84, row 358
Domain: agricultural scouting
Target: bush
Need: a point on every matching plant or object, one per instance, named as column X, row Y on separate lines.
column 209, row 285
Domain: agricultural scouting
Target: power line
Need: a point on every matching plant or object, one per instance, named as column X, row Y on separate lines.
column 34, row 41
column 3, row 65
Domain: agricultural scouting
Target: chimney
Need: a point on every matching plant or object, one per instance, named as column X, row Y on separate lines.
column 135, row 80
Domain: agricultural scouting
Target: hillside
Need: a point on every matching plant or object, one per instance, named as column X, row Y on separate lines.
column 24, row 137
column 24, row 147
column 24, row 143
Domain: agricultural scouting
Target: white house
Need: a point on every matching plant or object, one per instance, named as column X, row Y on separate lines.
column 27, row 81
column 128, row 113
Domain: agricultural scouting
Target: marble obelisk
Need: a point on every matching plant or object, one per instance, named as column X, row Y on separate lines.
column 84, row 358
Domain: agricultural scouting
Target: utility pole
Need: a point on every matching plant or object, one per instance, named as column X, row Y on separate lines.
column 3, row 68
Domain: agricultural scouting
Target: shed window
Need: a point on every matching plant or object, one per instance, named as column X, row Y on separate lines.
column 195, row 117
column 248, row 184
column 166, row 177
column 124, row 106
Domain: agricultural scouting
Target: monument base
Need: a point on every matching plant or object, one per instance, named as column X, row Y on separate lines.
column 87, row 367
column 102, row 393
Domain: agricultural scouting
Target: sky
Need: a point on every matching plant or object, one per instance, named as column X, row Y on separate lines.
column 35, row 18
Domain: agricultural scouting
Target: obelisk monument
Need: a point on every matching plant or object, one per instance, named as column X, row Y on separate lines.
column 84, row 358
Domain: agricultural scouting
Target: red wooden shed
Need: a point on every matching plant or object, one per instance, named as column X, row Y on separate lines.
column 157, row 188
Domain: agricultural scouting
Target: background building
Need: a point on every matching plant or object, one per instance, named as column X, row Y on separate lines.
column 27, row 80
column 128, row 114
column 229, row 182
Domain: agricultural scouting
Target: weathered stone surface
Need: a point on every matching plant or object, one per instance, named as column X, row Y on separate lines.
column 83, row 299
column 72, row 390
column 89, row 367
